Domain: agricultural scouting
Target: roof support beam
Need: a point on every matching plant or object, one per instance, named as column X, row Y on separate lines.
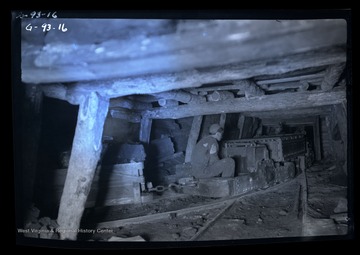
column 151, row 84
column 285, row 101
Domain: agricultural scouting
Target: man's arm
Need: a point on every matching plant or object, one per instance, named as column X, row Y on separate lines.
column 213, row 149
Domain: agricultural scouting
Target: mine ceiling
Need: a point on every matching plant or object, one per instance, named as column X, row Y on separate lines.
column 258, row 67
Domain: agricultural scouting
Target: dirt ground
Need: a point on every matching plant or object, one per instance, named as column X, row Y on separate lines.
column 277, row 212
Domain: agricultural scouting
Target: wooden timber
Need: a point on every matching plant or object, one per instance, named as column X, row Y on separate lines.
column 284, row 101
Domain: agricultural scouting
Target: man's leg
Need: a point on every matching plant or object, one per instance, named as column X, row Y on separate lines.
column 225, row 167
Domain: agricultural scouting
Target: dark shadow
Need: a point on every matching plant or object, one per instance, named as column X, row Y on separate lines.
column 151, row 172
column 57, row 131
column 309, row 129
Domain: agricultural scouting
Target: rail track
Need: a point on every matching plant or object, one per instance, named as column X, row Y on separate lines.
column 198, row 221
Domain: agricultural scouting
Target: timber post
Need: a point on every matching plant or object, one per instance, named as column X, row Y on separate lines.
column 193, row 137
column 85, row 155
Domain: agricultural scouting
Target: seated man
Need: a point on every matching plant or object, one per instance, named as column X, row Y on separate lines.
column 205, row 161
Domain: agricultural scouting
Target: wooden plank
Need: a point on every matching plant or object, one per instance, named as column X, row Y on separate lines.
column 340, row 113
column 285, row 101
column 111, row 181
column 137, row 192
column 102, row 193
column 219, row 87
column 145, row 130
column 148, row 84
column 290, row 121
column 125, row 114
column 118, row 180
column 129, row 104
column 233, row 85
column 222, row 120
column 317, row 138
column 110, row 172
column 248, row 127
column 341, row 116
column 240, row 88
column 221, row 44
column 291, row 114
column 133, row 169
column 337, row 144
column 193, row 137
column 329, row 128
column 332, row 75
column 288, row 79
column 303, row 202
column 85, row 154
column 295, row 86
column 99, row 193
column 111, row 202
column 240, row 125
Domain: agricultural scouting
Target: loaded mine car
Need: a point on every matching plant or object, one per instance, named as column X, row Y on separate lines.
column 260, row 162
column 272, row 152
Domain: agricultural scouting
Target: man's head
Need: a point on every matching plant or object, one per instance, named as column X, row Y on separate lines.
column 216, row 131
